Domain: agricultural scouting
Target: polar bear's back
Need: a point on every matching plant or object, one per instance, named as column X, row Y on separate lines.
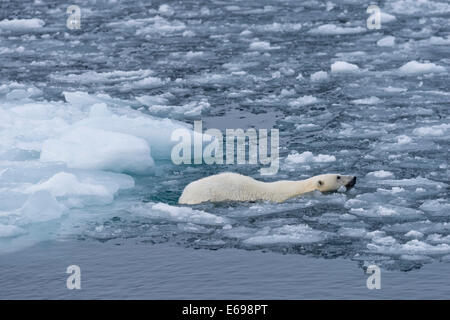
column 226, row 186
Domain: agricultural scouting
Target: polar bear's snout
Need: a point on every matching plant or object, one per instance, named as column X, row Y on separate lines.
column 351, row 183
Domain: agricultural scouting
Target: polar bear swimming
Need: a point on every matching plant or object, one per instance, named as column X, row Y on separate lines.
column 230, row 186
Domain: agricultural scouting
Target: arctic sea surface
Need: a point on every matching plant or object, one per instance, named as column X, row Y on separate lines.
column 86, row 117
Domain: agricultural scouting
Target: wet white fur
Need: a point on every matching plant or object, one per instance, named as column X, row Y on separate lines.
column 230, row 186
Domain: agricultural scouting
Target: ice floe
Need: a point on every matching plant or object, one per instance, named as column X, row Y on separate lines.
column 343, row 67
column 331, row 29
column 308, row 156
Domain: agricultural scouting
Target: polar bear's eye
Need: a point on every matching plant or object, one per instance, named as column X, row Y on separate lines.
column 338, row 177
column 320, row 182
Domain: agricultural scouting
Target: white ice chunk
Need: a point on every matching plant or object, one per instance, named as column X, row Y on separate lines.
column 65, row 183
column 331, row 29
column 262, row 46
column 438, row 238
column 87, row 148
column 319, row 76
column 308, row 156
column 418, row 7
column 146, row 83
column 411, row 247
column 394, row 89
column 419, row 181
column 388, row 41
column 433, row 131
column 403, row 139
column 342, row 67
column 352, row 232
column 386, row 17
column 166, row 10
column 303, row 101
column 188, row 110
column 296, row 234
column 112, row 77
column 9, row 231
column 153, row 100
column 99, row 110
column 438, row 41
column 41, row 206
column 153, row 25
column 387, row 211
column 437, row 207
column 367, row 101
column 380, row 174
column 21, row 24
column 414, row 234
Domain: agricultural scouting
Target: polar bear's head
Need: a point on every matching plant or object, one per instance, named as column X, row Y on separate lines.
column 332, row 182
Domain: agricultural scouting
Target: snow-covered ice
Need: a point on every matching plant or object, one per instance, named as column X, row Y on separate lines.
column 343, row 66
column 87, row 116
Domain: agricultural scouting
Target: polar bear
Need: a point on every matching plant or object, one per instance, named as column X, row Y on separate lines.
column 230, row 186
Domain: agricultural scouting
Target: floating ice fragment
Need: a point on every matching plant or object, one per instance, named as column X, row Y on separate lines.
column 88, row 148
column 368, row 101
column 414, row 234
column 414, row 67
column 41, row 206
column 331, row 29
column 403, row 139
column 9, row 231
column 436, row 207
column 297, row 234
column 308, row 156
column 388, row 41
column 436, row 130
column 262, row 46
column 166, row 10
column 163, row 211
column 303, row 101
column 319, row 76
column 386, row 17
column 380, row 174
column 21, row 24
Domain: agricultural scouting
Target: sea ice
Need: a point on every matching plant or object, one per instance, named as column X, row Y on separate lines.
column 308, row 156
column 88, row 148
column 342, row 67
column 8, row 231
column 303, row 101
column 331, row 29
column 21, row 24
column 414, row 67
column 295, row 234
column 319, row 76
column 165, row 212
column 367, row 101
column 388, row 41
column 262, row 46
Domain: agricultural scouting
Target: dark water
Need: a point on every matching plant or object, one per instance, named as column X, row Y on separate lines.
column 136, row 271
